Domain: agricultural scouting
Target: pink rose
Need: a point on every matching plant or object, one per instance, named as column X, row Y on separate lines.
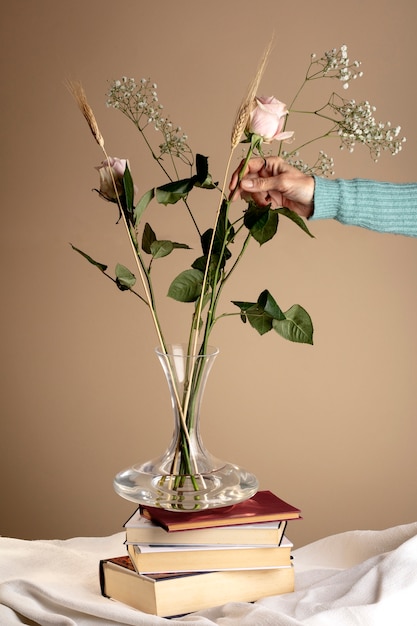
column 117, row 167
column 267, row 119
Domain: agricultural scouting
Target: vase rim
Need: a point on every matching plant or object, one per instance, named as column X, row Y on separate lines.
column 181, row 349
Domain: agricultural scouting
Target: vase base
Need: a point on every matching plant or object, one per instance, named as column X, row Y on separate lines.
column 224, row 486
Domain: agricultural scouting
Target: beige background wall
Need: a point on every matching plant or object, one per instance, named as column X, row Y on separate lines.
column 331, row 428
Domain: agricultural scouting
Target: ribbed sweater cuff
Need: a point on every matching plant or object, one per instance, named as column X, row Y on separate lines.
column 326, row 198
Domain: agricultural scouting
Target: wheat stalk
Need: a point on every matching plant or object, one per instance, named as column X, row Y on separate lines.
column 246, row 106
column 77, row 91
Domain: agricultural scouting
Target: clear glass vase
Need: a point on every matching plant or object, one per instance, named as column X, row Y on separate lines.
column 186, row 477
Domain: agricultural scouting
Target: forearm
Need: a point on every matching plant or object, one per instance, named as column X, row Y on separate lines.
column 380, row 206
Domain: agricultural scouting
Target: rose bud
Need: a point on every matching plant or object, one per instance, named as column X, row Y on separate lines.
column 117, row 167
column 267, row 119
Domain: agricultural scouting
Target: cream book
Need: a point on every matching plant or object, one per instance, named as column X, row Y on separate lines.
column 141, row 530
column 165, row 558
column 168, row 595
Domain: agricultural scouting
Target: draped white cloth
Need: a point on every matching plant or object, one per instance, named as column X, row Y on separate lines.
column 357, row 578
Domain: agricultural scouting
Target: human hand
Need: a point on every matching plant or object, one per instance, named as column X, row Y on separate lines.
column 273, row 181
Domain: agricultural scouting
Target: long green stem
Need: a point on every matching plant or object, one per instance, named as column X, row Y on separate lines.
column 307, row 78
column 158, row 160
column 216, row 286
column 194, row 341
column 149, row 297
column 306, row 143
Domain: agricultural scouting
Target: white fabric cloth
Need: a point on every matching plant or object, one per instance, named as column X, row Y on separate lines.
column 357, row 578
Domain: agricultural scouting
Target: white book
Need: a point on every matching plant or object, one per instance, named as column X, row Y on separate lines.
column 141, row 531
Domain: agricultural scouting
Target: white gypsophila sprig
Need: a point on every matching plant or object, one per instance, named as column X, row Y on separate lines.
column 356, row 124
column 324, row 165
column 139, row 102
column 175, row 143
column 334, row 63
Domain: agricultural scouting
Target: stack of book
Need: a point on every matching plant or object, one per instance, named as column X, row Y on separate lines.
column 179, row 562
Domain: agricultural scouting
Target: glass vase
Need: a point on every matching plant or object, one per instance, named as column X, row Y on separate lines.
column 186, row 477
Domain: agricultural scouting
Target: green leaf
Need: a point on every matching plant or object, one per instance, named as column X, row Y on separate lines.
column 187, row 286
column 180, row 246
column 142, row 205
column 201, row 164
column 296, row 219
column 124, row 277
column 259, row 319
column 224, row 235
column 148, row 238
column 217, row 243
column 268, row 304
column 100, row 266
column 297, row 325
column 201, row 262
column 158, row 248
column 243, row 306
column 255, row 314
column 161, row 248
column 262, row 222
column 262, row 313
column 203, row 177
column 172, row 192
column 294, row 324
column 129, row 190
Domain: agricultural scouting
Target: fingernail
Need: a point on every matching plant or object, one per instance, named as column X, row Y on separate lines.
column 247, row 184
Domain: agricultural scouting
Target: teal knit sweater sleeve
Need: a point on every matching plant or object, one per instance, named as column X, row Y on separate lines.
column 384, row 207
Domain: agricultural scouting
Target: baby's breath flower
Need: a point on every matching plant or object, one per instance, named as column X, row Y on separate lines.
column 140, row 103
column 335, row 63
column 324, row 165
column 357, row 124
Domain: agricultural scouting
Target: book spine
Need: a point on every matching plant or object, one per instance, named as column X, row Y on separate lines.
column 102, row 579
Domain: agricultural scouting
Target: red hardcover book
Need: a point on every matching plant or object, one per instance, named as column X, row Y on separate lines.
column 264, row 506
